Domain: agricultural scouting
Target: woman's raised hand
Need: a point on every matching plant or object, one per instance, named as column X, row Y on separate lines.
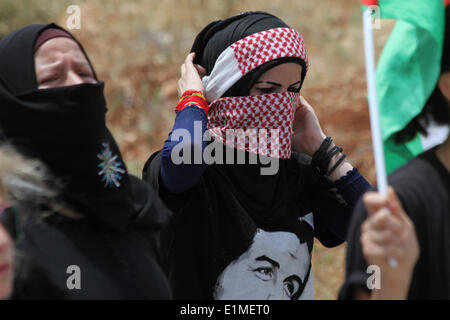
column 191, row 75
column 308, row 134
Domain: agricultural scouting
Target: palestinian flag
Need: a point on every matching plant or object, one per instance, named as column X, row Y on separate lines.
column 407, row 73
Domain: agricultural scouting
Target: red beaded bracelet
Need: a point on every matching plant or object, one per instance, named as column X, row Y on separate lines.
column 193, row 100
column 188, row 93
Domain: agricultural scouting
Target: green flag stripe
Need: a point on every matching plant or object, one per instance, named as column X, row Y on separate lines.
column 408, row 70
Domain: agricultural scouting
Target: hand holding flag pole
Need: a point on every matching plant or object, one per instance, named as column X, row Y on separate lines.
column 373, row 104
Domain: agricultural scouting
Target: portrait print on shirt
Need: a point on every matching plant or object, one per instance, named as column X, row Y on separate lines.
column 276, row 267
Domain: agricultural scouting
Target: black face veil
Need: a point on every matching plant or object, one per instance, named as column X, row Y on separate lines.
column 65, row 128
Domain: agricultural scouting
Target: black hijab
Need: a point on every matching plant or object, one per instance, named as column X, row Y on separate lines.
column 264, row 197
column 65, row 128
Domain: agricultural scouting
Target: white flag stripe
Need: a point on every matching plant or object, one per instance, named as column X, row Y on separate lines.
column 437, row 134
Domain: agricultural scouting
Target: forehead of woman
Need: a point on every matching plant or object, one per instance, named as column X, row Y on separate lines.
column 52, row 48
column 17, row 65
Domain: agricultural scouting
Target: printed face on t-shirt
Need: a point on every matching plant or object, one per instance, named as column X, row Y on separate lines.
column 274, row 267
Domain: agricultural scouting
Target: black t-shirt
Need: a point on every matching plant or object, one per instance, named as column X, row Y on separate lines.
column 213, row 239
column 423, row 187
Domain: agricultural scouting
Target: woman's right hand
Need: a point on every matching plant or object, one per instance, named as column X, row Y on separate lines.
column 191, row 75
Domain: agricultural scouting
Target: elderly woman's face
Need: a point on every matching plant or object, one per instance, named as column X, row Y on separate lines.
column 6, row 257
column 60, row 62
column 283, row 77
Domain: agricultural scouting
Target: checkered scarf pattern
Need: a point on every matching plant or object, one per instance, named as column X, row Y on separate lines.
column 259, row 48
column 259, row 124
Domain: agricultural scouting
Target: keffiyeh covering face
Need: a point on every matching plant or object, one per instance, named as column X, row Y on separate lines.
column 267, row 119
column 265, row 122
column 65, row 128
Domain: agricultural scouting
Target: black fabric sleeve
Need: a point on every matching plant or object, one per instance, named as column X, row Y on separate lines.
column 152, row 174
column 355, row 263
column 151, row 170
column 352, row 186
column 330, row 210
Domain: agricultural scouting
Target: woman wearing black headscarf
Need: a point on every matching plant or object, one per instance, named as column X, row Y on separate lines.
column 245, row 231
column 97, row 238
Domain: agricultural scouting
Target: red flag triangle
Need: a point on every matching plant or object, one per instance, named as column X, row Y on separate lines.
column 372, row 2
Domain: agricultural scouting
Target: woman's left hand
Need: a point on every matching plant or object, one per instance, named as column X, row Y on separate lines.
column 308, row 135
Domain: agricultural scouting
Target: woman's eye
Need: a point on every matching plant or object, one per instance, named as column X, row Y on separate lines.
column 293, row 89
column 264, row 273
column 50, row 79
column 291, row 287
column 266, row 90
column 84, row 74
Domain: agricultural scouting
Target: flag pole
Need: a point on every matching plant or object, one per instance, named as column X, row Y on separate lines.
column 373, row 108
column 373, row 103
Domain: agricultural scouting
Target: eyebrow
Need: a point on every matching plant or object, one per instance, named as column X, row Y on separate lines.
column 293, row 256
column 272, row 262
column 296, row 278
column 57, row 64
column 276, row 84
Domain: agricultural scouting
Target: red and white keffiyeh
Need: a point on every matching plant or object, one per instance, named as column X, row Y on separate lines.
column 249, row 53
column 261, row 124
